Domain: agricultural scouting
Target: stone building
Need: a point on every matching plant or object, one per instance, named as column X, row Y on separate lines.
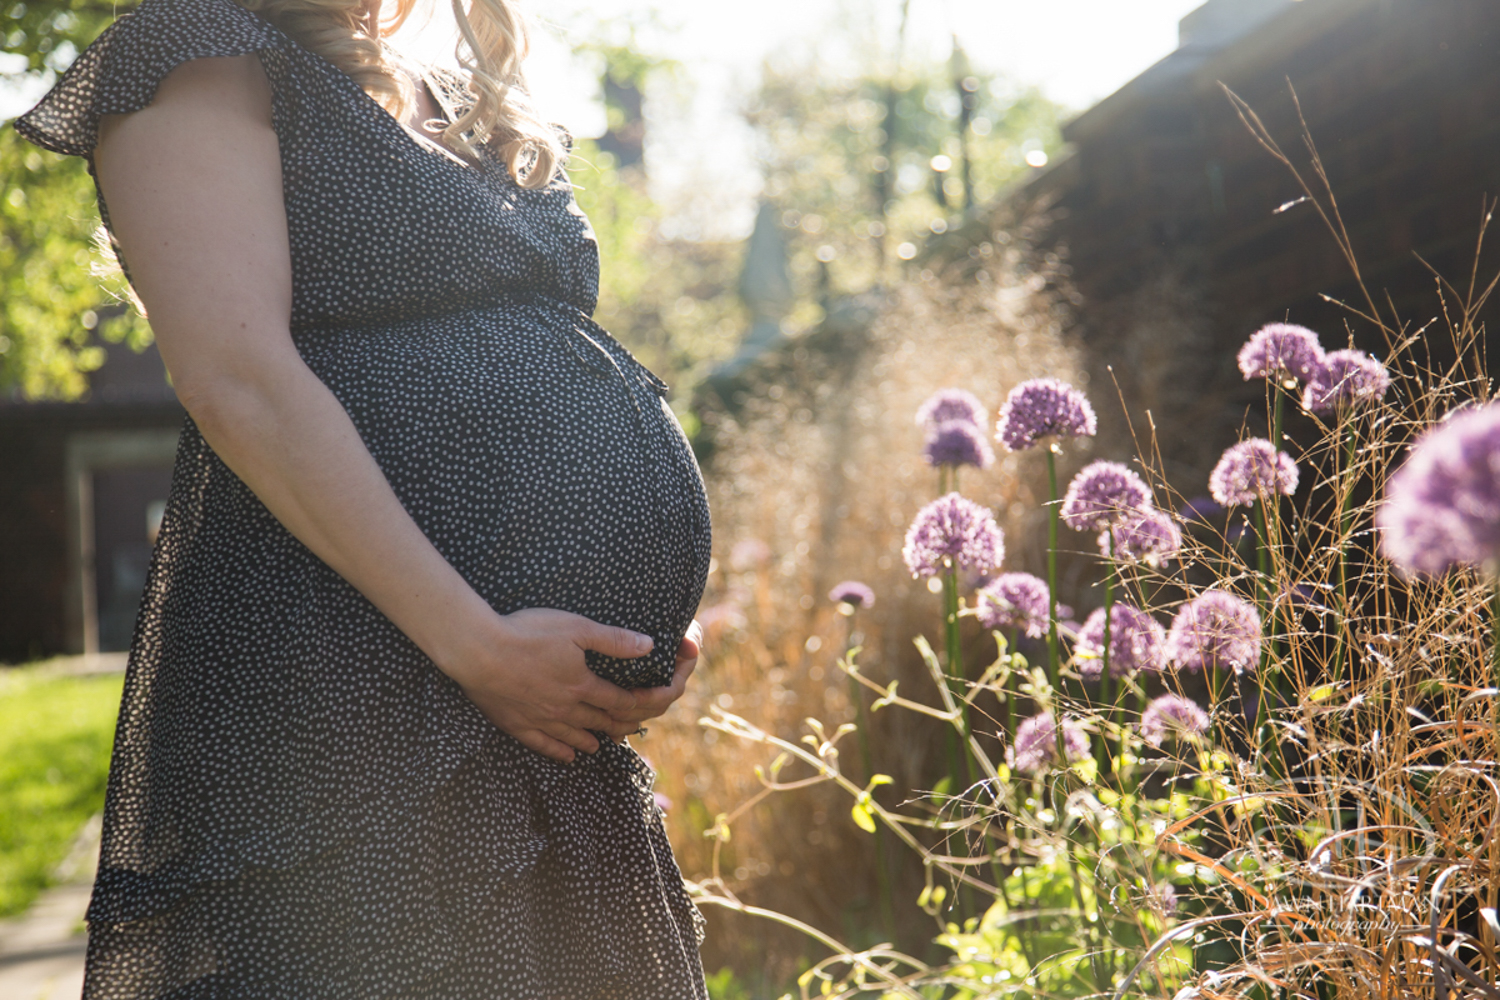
column 1183, row 234
column 82, row 487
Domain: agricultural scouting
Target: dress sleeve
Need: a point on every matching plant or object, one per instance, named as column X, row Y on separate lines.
column 120, row 72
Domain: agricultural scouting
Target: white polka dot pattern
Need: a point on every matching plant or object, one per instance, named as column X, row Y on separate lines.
column 300, row 805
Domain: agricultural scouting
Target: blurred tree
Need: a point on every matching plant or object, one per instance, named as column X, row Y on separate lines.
column 669, row 300
column 51, row 301
column 864, row 166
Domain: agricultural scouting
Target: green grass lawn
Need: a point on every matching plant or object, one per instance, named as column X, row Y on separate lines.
column 55, row 735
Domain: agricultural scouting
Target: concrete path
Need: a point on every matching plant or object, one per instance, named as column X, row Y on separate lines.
column 41, row 952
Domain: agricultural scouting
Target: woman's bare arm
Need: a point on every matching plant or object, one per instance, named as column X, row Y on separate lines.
column 193, row 184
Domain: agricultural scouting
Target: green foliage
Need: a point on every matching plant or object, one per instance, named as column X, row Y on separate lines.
column 55, row 737
column 668, row 300
column 51, row 301
column 723, row 985
column 850, row 160
column 49, row 33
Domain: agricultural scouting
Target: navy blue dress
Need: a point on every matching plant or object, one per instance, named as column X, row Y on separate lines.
column 300, row 804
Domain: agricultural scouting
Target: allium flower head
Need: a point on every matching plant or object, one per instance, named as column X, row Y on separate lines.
column 953, row 530
column 1015, row 600
column 958, row 442
column 1151, row 537
column 1102, row 495
column 1135, row 642
column 1345, row 379
column 947, row 406
column 1214, row 631
column 1172, row 715
column 1251, row 470
column 1036, row 743
column 1442, row 508
column 852, row 593
column 1040, row 408
column 1281, row 350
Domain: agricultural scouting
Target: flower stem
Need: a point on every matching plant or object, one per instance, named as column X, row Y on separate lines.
column 1495, row 653
column 1053, row 668
column 862, row 730
column 1346, row 520
column 1272, row 546
column 958, row 736
column 1269, row 686
column 1106, row 757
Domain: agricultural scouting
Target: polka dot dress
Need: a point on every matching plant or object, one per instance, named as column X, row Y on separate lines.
column 301, row 806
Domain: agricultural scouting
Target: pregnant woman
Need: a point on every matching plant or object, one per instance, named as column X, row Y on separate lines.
column 434, row 540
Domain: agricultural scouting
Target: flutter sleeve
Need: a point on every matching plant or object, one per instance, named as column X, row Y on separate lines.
column 120, row 72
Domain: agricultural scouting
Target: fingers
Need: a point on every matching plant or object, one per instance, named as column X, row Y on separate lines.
column 612, row 641
column 692, row 643
column 535, row 739
column 578, row 739
column 599, row 693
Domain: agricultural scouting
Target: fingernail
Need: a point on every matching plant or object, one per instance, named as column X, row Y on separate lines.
column 643, row 643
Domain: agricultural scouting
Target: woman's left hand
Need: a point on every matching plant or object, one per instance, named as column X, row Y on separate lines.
column 652, row 702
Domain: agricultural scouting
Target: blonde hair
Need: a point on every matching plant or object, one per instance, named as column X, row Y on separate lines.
column 491, row 51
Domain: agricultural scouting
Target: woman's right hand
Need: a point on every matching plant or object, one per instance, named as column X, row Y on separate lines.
column 528, row 675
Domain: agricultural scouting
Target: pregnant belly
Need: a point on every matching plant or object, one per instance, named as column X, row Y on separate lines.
column 538, row 459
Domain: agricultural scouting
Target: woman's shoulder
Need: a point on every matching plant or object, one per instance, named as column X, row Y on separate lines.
column 120, row 72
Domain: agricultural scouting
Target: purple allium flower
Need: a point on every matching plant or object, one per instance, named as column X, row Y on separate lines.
column 1135, row 642
column 1036, row 743
column 953, row 530
column 1103, row 495
column 1151, row 537
column 958, row 442
column 1040, row 408
column 1281, row 349
column 1213, row 631
column 947, row 406
column 1442, row 507
column 853, row 593
column 1015, row 600
column 1250, row 471
column 1172, row 715
column 1345, row 379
